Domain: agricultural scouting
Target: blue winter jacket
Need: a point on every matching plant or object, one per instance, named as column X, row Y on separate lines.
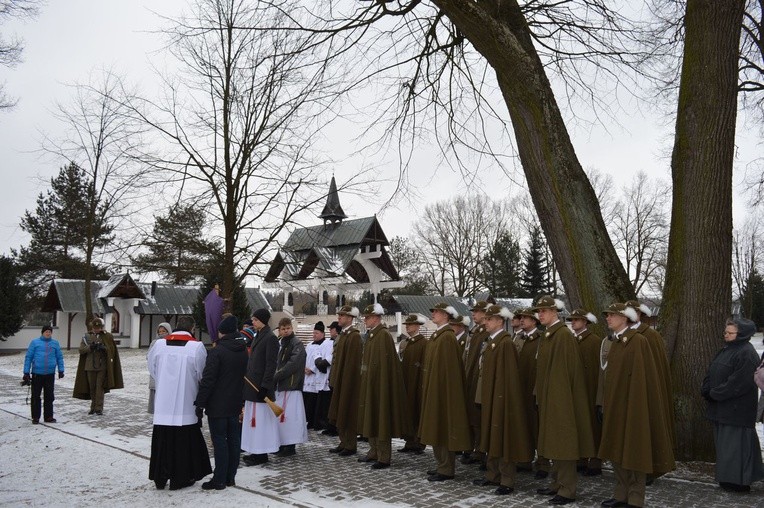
column 42, row 357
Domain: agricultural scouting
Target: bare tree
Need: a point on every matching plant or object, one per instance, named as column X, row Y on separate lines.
column 455, row 235
column 746, row 252
column 99, row 138
column 640, row 230
column 698, row 292
column 239, row 125
column 11, row 49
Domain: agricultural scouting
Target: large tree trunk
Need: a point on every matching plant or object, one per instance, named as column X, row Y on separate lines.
column 565, row 201
column 698, row 288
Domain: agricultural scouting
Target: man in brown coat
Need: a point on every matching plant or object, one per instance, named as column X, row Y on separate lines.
column 471, row 358
column 413, row 349
column 382, row 411
column 99, row 369
column 634, row 434
column 345, row 380
column 505, row 436
column 589, row 346
column 444, row 423
column 526, row 342
column 460, row 325
column 565, row 428
column 660, row 358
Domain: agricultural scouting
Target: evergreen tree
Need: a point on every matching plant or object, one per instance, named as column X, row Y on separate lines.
column 752, row 299
column 11, row 299
column 176, row 247
column 60, row 228
column 502, row 266
column 535, row 276
column 239, row 306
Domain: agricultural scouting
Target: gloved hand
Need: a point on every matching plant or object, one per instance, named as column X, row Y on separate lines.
column 27, row 380
column 599, row 414
column 93, row 346
column 60, row 375
column 199, row 412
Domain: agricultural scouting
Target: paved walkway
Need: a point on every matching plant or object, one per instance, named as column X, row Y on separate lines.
column 315, row 477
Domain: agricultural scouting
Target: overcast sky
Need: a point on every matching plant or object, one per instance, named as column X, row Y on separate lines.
column 68, row 40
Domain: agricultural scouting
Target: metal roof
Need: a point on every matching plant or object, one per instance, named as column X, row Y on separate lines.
column 365, row 231
column 422, row 304
column 256, row 299
column 168, row 299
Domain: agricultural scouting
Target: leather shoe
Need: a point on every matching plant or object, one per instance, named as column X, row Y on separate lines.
column 482, row 482
column 612, row 502
column 560, row 500
column 230, row 484
column 546, row 492
column 540, row 475
column 346, row 453
column 468, row 459
column 593, row 472
column 50, row 420
column 210, row 485
column 380, row 465
column 338, row 449
column 432, row 472
column 366, row 459
column 503, row 490
column 91, row 411
column 255, row 460
column 35, row 421
column 437, row 477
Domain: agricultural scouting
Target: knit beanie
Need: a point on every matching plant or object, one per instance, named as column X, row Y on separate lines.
column 320, row 327
column 47, row 328
column 228, row 325
column 262, row 315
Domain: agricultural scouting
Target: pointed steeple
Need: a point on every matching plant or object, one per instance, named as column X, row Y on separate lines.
column 332, row 209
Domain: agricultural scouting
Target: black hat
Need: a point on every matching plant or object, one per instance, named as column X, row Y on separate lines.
column 320, row 327
column 228, row 325
column 262, row 315
column 336, row 326
column 47, row 328
column 248, row 322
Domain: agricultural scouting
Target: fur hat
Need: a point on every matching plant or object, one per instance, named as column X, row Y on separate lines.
column 444, row 307
column 228, row 325
column 639, row 307
column 498, row 310
column 347, row 310
column 373, row 310
column 414, row 319
column 547, row 302
column 262, row 315
column 622, row 310
column 460, row 320
column 479, row 306
column 582, row 314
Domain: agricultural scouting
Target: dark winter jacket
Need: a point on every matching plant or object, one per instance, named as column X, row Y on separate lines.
column 43, row 356
column 728, row 386
column 262, row 366
column 290, row 372
column 223, row 379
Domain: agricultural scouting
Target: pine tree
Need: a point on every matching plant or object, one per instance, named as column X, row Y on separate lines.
column 176, row 246
column 535, row 272
column 502, row 266
column 59, row 228
column 11, row 299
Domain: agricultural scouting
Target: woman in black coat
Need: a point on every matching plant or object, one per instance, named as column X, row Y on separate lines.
column 731, row 394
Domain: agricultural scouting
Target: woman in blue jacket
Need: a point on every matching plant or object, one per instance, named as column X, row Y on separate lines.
column 43, row 356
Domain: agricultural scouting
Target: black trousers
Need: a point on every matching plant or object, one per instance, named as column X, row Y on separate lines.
column 42, row 383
